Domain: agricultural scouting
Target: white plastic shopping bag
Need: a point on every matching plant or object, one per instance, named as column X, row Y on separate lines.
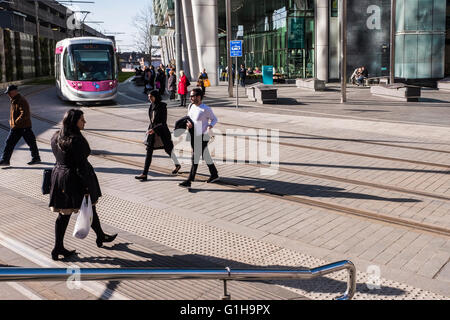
column 84, row 220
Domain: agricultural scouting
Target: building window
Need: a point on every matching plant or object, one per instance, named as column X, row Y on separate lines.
column 334, row 8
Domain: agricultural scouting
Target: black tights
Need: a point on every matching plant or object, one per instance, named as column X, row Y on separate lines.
column 63, row 221
column 149, row 155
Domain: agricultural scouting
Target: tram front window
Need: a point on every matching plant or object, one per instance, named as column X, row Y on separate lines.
column 92, row 62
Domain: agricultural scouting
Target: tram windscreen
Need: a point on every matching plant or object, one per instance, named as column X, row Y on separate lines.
column 89, row 62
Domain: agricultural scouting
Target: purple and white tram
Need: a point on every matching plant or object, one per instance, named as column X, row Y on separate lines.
column 86, row 69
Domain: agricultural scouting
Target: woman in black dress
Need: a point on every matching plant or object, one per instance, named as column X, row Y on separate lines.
column 158, row 133
column 73, row 177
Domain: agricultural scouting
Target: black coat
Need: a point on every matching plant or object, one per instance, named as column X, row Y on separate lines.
column 73, row 175
column 157, row 114
column 181, row 126
column 172, row 83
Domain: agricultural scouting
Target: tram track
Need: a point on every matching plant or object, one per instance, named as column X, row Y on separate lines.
column 295, row 145
column 339, row 209
column 315, row 136
column 259, row 164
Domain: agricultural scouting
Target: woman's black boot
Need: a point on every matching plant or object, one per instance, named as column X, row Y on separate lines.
column 101, row 236
column 60, row 229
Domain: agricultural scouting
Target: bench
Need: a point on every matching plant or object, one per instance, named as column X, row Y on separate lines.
column 250, row 91
column 444, row 84
column 397, row 91
column 266, row 94
column 312, row 84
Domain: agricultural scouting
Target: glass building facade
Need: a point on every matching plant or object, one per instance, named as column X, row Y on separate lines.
column 420, row 39
column 300, row 38
column 282, row 33
column 275, row 32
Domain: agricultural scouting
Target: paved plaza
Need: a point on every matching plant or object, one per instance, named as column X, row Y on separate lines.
column 305, row 182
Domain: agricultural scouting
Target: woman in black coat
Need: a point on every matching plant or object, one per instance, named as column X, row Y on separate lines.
column 172, row 84
column 158, row 134
column 73, row 177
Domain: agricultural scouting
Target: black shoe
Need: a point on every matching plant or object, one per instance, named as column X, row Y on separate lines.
column 141, row 177
column 64, row 252
column 34, row 161
column 177, row 168
column 105, row 238
column 4, row 163
column 186, row 184
column 213, row 178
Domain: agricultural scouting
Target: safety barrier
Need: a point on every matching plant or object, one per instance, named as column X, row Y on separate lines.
column 90, row 274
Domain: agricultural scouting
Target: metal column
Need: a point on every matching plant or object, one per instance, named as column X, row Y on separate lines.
column 229, row 61
column 38, row 34
column 178, row 60
column 343, row 40
column 392, row 45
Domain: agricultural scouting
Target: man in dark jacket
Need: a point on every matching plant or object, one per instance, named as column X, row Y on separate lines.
column 20, row 123
column 242, row 75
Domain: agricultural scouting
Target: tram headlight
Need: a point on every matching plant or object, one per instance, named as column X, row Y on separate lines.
column 80, row 84
column 111, row 84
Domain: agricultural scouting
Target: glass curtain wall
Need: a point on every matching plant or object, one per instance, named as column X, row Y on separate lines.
column 420, row 39
column 275, row 32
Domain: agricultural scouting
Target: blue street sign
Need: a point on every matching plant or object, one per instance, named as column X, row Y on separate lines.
column 236, row 48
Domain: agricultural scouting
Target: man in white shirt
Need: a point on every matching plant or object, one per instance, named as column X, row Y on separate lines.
column 203, row 120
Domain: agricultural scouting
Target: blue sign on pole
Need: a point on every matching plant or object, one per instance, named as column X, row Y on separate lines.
column 236, row 48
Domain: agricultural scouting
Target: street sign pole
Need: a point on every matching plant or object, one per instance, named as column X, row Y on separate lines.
column 236, row 51
column 237, row 85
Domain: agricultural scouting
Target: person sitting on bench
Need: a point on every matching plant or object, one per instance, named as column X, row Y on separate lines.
column 363, row 74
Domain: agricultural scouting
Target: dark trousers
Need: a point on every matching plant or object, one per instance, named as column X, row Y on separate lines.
column 196, row 156
column 183, row 100
column 149, row 155
column 14, row 137
column 63, row 221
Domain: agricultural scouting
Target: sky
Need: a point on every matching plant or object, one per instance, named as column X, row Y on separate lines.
column 117, row 16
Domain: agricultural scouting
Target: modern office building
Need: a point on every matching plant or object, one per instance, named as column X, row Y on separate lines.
column 29, row 31
column 300, row 38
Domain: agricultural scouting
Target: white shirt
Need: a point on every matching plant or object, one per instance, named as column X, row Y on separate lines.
column 201, row 115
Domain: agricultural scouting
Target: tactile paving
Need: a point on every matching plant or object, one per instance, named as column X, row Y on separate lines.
column 221, row 246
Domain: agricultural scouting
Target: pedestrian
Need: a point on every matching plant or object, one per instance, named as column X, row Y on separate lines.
column 20, row 127
column 203, row 74
column 183, row 88
column 362, row 75
column 152, row 77
column 147, row 76
column 201, row 83
column 172, row 84
column 73, row 177
column 242, row 75
column 162, row 81
column 158, row 79
column 158, row 134
column 203, row 120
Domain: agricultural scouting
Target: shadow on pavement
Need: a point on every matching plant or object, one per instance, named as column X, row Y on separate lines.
column 296, row 189
column 196, row 261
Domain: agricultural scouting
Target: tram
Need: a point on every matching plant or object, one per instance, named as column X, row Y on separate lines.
column 86, row 69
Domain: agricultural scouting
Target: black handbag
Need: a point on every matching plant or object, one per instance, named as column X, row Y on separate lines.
column 46, row 181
